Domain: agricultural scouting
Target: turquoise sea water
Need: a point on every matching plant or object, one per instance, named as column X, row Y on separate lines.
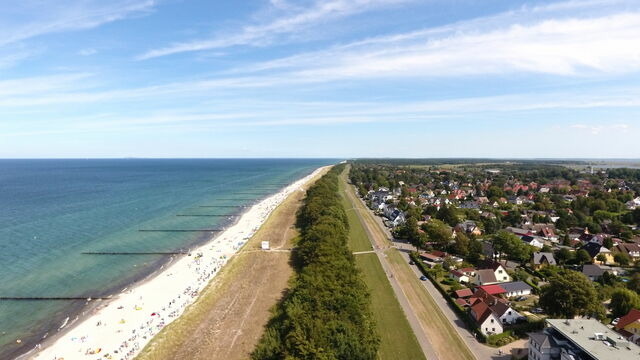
column 53, row 210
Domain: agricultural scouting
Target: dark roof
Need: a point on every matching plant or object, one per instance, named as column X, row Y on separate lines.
column 542, row 257
column 515, row 286
column 592, row 248
column 499, row 308
column 486, row 276
column 544, row 340
column 627, row 247
column 592, row 270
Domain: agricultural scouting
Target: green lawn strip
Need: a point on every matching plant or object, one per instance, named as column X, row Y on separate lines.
column 358, row 240
column 397, row 340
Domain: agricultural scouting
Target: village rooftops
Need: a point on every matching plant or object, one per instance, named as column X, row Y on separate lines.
column 595, row 339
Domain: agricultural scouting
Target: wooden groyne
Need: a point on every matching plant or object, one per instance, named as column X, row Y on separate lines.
column 222, row 206
column 180, row 230
column 236, row 198
column 47, row 298
column 135, row 253
column 212, row 215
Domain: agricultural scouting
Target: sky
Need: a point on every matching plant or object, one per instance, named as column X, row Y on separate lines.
column 320, row 78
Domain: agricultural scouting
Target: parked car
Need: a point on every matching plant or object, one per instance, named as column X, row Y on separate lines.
column 423, row 278
column 411, row 262
column 615, row 321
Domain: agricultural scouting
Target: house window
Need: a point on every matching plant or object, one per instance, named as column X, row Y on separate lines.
column 493, row 329
column 492, row 321
column 499, row 271
column 509, row 312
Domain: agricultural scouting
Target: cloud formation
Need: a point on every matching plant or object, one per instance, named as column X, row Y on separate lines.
column 295, row 18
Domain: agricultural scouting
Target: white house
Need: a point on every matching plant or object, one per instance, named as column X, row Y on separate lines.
column 516, row 288
column 505, row 313
column 496, row 274
column 462, row 275
column 487, row 320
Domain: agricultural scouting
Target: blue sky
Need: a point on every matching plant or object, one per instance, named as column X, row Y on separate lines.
column 320, row 78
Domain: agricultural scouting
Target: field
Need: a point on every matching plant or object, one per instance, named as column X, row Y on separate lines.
column 397, row 338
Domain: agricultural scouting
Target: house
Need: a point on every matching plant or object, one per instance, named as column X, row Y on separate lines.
column 463, row 293
column 395, row 215
column 532, row 241
column 629, row 326
column 485, row 276
column 592, row 271
column 488, row 322
column 542, row 259
column 547, row 233
column 631, row 249
column 462, row 275
column 468, row 227
column 516, row 288
column 431, row 258
column 594, row 249
column 579, row 339
column 505, row 313
column 492, row 274
column 459, row 276
column 491, row 289
column 543, row 347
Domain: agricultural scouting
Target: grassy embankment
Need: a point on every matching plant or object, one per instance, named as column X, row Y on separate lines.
column 441, row 333
column 397, row 338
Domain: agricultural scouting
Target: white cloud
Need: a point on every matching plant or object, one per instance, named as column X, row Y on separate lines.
column 87, row 52
column 319, row 12
column 30, row 18
column 600, row 129
column 566, row 47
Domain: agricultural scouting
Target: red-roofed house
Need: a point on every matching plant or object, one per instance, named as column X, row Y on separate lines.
column 629, row 326
column 463, row 293
column 487, row 321
column 493, row 289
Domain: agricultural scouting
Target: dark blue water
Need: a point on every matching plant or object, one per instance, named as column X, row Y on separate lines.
column 53, row 210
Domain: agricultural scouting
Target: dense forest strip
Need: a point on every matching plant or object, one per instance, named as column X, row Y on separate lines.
column 326, row 313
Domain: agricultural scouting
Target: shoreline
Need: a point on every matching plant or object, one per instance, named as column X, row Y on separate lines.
column 119, row 328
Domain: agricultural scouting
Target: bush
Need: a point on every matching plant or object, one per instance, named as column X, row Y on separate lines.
column 499, row 340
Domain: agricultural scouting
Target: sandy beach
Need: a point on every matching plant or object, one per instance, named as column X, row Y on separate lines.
column 120, row 328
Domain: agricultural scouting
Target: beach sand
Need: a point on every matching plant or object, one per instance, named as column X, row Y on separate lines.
column 120, row 328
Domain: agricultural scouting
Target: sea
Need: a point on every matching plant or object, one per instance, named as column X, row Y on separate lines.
column 54, row 213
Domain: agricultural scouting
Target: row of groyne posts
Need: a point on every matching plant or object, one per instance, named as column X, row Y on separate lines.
column 266, row 187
